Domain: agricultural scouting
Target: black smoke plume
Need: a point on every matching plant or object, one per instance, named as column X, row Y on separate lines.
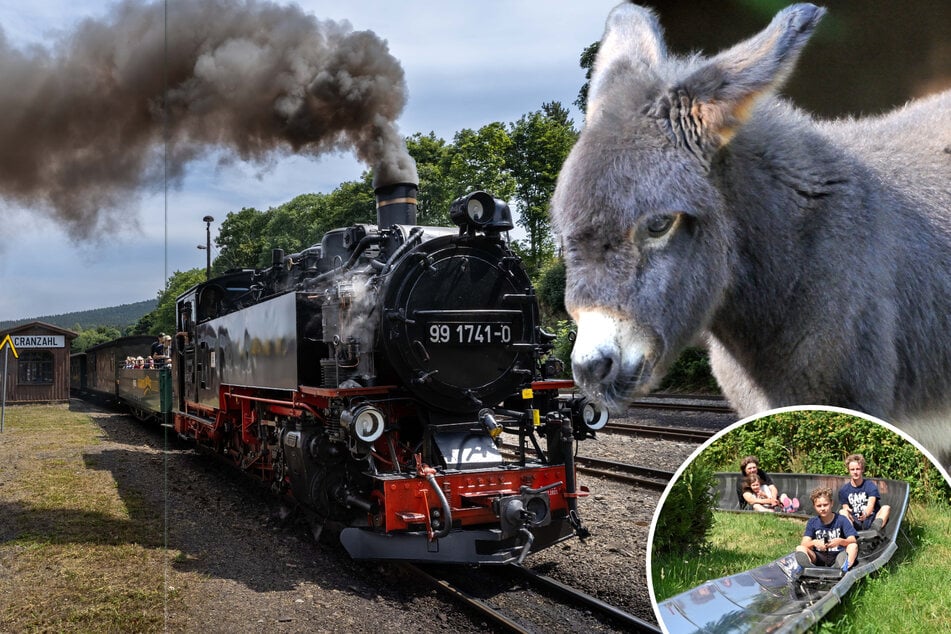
column 120, row 104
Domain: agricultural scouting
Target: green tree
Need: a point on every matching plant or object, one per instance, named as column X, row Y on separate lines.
column 291, row 226
column 351, row 202
column 540, row 144
column 246, row 238
column 239, row 240
column 162, row 319
column 687, row 515
column 587, row 63
column 551, row 291
column 436, row 189
column 89, row 337
column 478, row 161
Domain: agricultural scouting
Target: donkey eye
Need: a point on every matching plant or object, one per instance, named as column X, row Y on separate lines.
column 659, row 225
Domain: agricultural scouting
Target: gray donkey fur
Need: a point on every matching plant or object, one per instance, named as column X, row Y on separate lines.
column 813, row 257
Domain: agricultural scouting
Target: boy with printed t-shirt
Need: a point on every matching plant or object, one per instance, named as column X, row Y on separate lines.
column 829, row 538
column 860, row 498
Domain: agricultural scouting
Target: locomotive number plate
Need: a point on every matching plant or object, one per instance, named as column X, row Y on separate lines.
column 470, row 333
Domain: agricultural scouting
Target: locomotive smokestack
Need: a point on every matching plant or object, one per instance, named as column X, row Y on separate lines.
column 396, row 204
column 395, row 183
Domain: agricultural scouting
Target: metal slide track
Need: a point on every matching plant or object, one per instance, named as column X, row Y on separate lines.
column 773, row 597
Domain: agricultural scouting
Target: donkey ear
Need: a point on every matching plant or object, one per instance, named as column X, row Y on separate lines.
column 633, row 41
column 713, row 101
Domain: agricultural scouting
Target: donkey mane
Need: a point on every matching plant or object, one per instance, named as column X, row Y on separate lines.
column 813, row 256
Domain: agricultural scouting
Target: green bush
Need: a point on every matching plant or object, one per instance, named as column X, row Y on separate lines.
column 817, row 441
column 564, row 341
column 550, row 288
column 690, row 373
column 687, row 514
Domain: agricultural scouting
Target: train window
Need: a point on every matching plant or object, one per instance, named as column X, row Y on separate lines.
column 210, row 302
column 185, row 317
column 35, row 367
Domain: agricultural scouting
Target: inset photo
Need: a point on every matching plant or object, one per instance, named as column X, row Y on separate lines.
column 804, row 519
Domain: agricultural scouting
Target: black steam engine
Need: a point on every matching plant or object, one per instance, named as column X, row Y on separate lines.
column 373, row 377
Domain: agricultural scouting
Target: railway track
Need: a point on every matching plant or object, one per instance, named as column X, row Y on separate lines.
column 648, row 477
column 619, row 471
column 516, row 599
column 657, row 431
column 690, row 404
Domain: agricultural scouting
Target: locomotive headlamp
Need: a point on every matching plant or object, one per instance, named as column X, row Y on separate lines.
column 593, row 416
column 491, row 426
column 589, row 414
column 481, row 211
column 365, row 422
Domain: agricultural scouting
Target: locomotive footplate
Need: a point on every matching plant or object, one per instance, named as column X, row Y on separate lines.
column 459, row 546
column 407, row 501
column 490, row 516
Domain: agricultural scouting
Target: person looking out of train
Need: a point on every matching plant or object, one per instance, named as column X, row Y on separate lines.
column 829, row 538
column 860, row 498
column 158, row 347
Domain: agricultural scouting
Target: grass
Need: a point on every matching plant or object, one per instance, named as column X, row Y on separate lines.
column 75, row 554
column 910, row 594
column 739, row 541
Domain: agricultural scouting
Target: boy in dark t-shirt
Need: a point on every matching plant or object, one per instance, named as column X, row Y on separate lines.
column 829, row 538
column 860, row 498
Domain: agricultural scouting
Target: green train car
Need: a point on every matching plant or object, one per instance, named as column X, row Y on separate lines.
column 101, row 372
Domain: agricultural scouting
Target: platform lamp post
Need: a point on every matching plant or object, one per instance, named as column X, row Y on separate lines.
column 6, row 345
column 207, row 220
column 3, row 406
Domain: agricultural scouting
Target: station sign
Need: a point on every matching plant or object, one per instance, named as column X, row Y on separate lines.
column 39, row 341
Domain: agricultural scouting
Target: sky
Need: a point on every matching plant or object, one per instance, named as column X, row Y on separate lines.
column 466, row 64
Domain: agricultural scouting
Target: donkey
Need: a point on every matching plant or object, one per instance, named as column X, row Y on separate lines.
column 814, row 258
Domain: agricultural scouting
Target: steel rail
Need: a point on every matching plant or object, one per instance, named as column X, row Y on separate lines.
column 684, row 407
column 618, row 471
column 658, row 431
column 627, row 478
column 467, row 599
column 629, row 620
column 650, row 472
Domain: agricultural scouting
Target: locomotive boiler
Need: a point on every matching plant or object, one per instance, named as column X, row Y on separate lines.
column 373, row 377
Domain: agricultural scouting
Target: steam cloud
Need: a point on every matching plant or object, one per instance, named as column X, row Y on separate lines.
column 120, row 104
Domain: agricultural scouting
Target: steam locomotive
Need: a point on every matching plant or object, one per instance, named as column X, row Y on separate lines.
column 371, row 378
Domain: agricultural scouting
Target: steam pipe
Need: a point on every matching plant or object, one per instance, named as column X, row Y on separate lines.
column 446, row 511
column 357, row 252
column 570, row 484
column 414, row 238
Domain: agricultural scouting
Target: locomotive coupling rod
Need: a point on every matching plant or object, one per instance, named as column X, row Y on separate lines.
column 273, row 401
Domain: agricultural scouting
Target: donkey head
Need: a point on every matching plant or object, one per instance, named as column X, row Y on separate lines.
column 641, row 208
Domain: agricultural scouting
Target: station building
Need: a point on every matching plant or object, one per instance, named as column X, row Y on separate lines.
column 39, row 371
